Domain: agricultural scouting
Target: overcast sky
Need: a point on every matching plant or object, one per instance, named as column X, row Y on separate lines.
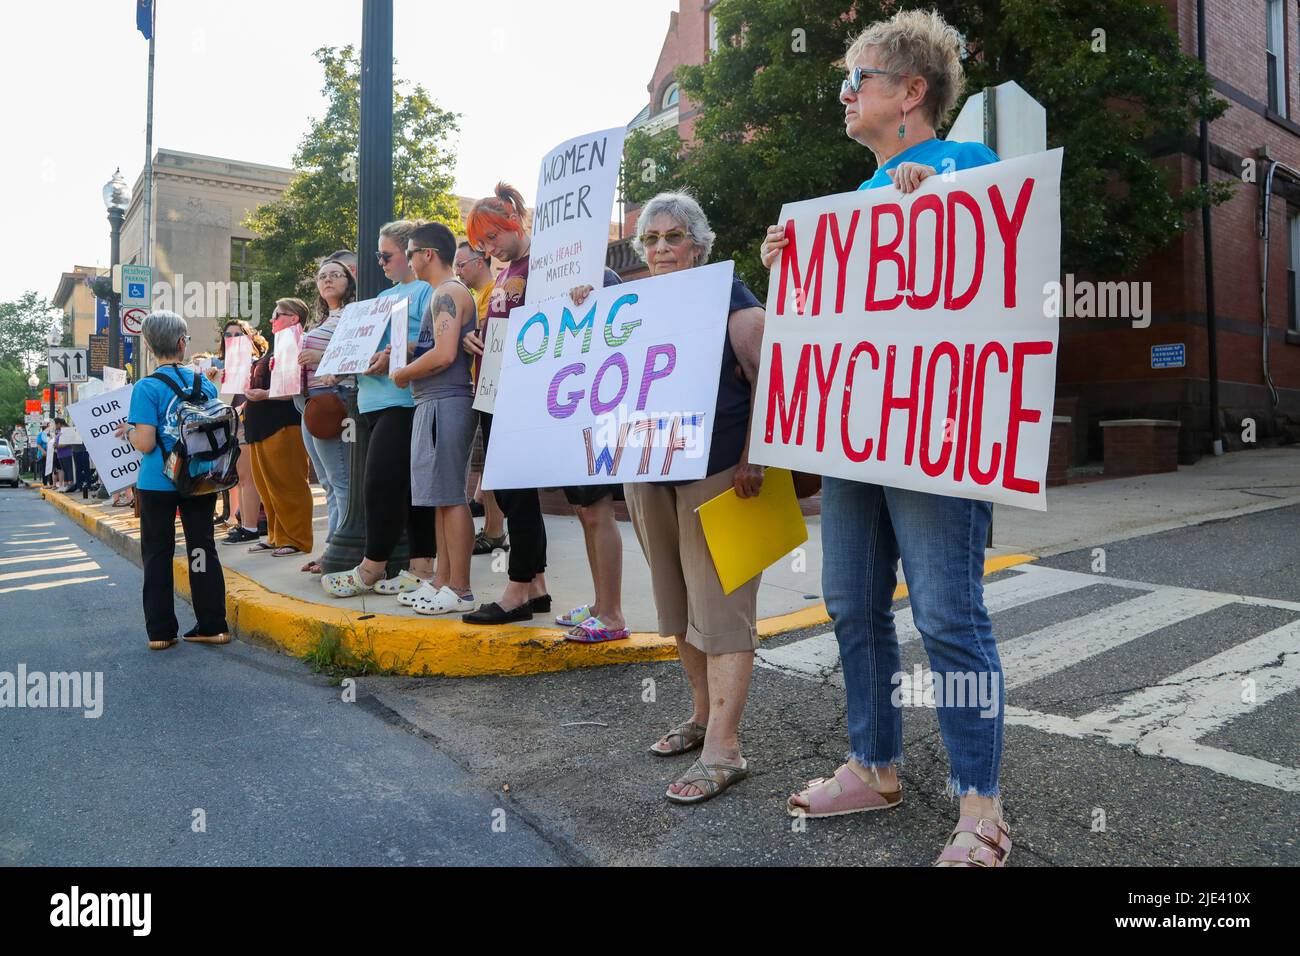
column 236, row 79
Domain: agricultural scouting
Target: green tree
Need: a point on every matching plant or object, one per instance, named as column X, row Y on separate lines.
column 24, row 325
column 771, row 119
column 317, row 214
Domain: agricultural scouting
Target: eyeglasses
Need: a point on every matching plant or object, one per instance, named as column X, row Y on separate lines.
column 860, row 73
column 232, row 335
column 326, row 276
column 674, row 238
column 383, row 257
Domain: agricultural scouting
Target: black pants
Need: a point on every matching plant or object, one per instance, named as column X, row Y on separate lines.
column 158, row 547
column 387, row 490
column 523, row 510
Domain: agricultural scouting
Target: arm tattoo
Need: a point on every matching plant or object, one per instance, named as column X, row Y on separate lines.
column 445, row 303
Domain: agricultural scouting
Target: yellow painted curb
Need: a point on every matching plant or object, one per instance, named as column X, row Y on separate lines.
column 417, row 646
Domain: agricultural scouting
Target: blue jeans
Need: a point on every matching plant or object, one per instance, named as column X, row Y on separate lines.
column 865, row 530
column 330, row 459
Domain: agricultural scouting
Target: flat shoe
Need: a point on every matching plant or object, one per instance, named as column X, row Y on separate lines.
column 161, row 645
column 208, row 638
column 843, row 793
column 540, row 605
column 495, row 614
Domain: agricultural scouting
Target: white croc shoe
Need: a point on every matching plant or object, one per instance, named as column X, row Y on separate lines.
column 424, row 592
column 445, row 601
column 400, row 583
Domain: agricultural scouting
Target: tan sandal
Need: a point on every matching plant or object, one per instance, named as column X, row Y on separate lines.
column 994, row 848
column 689, row 736
column 208, row 638
column 709, row 779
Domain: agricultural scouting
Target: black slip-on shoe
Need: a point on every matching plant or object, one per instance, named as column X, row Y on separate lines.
column 495, row 614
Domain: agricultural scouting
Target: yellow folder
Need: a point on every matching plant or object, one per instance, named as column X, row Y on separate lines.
column 746, row 535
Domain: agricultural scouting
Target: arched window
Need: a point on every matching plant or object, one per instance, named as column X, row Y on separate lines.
column 670, row 97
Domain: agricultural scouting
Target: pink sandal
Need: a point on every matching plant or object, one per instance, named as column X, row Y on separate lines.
column 995, row 836
column 843, row 793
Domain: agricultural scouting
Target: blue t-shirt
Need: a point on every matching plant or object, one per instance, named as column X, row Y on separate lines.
column 932, row 153
column 153, row 403
column 376, row 392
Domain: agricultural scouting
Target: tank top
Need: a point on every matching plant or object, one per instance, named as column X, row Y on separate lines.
column 455, row 379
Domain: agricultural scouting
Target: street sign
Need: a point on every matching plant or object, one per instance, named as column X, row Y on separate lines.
column 69, row 365
column 1169, row 356
column 101, row 316
column 98, row 354
column 133, row 321
column 33, row 407
column 137, row 288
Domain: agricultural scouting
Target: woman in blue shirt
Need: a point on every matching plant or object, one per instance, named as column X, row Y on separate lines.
column 905, row 76
column 151, row 428
column 389, row 410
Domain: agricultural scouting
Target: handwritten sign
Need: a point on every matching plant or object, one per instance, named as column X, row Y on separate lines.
column 622, row 388
column 238, row 365
column 397, row 357
column 286, row 373
column 96, row 419
column 575, row 199
column 907, row 342
column 356, row 339
column 489, row 370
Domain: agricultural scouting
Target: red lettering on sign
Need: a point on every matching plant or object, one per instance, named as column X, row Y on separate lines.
column 942, row 350
column 1019, row 415
column 824, row 379
column 849, row 451
column 964, row 199
column 842, row 255
column 797, row 408
column 932, row 203
column 790, row 269
column 890, row 401
column 977, row 416
column 877, row 252
column 1009, row 229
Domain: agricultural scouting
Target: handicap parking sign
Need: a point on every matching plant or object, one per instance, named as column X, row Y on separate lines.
column 135, row 290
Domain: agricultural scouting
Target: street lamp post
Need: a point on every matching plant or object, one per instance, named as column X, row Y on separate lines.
column 117, row 197
column 33, row 383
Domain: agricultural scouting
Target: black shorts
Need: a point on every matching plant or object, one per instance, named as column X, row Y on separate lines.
column 585, row 495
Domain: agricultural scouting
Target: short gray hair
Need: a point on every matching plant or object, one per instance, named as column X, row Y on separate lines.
column 684, row 208
column 162, row 330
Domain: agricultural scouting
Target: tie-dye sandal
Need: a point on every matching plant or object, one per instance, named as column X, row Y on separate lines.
column 593, row 631
column 345, row 584
column 575, row 617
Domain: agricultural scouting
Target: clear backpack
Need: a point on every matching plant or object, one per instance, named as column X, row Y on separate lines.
column 203, row 459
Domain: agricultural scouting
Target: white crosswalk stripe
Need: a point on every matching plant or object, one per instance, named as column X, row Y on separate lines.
column 1167, row 719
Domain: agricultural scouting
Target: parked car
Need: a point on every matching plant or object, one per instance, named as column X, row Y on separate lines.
column 8, row 466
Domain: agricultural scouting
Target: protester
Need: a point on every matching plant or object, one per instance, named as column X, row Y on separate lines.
column 602, row 620
column 389, row 410
column 152, row 429
column 905, row 76
column 473, row 268
column 245, row 500
column 716, row 633
column 63, row 455
column 443, row 430
column 45, row 446
column 273, row 430
column 324, row 406
column 496, row 225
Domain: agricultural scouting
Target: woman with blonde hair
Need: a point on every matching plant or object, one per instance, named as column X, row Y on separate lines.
column 904, row 78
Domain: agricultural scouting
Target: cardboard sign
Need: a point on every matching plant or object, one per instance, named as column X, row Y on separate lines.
column 907, row 339
column 622, row 388
column 238, row 365
column 286, row 373
column 356, row 338
column 96, row 419
column 398, row 321
column 575, row 199
column 489, row 369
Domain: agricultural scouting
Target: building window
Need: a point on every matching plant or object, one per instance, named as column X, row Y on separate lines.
column 713, row 33
column 670, row 97
column 241, row 260
column 1275, row 54
column 1293, row 268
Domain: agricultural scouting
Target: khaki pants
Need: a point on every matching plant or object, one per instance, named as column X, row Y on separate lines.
column 280, row 473
column 688, row 595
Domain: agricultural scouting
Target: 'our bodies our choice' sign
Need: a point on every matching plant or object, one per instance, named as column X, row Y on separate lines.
column 906, row 341
column 622, row 388
column 575, row 198
column 357, row 336
column 116, row 460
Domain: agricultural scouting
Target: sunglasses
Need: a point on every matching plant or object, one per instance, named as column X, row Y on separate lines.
column 860, row 73
column 674, row 238
column 384, row 256
column 410, row 251
column 284, row 315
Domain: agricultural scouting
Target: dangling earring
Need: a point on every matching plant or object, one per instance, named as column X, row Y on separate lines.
column 902, row 127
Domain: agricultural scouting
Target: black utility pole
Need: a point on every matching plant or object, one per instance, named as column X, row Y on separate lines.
column 115, row 217
column 374, row 208
column 1207, row 245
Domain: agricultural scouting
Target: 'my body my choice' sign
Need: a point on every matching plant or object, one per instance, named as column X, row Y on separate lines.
column 906, row 340
column 622, row 388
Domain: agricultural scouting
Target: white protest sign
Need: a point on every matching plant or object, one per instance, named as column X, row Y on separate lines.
column 622, row 388
column 397, row 340
column 286, row 373
column 114, row 377
column 96, row 419
column 356, row 338
column 575, row 199
column 908, row 340
column 489, row 368
column 238, row 365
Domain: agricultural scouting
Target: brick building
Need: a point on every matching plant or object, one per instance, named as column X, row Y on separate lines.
column 1107, row 368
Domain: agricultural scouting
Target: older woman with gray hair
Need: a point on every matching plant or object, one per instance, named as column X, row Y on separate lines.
column 904, row 78
column 151, row 428
column 716, row 633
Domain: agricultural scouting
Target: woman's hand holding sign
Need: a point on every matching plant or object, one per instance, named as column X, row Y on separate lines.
column 379, row 362
column 772, row 245
column 908, row 176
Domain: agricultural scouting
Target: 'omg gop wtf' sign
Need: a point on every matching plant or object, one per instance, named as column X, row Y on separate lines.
column 906, row 342
column 622, row 388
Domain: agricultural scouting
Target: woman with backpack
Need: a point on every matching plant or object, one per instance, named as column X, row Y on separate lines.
column 152, row 427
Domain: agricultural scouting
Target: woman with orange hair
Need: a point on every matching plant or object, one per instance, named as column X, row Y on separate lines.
column 496, row 225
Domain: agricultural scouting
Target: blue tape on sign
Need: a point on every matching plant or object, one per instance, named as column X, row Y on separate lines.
column 1169, row 356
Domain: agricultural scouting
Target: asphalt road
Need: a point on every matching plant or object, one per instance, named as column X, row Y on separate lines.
column 267, row 757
